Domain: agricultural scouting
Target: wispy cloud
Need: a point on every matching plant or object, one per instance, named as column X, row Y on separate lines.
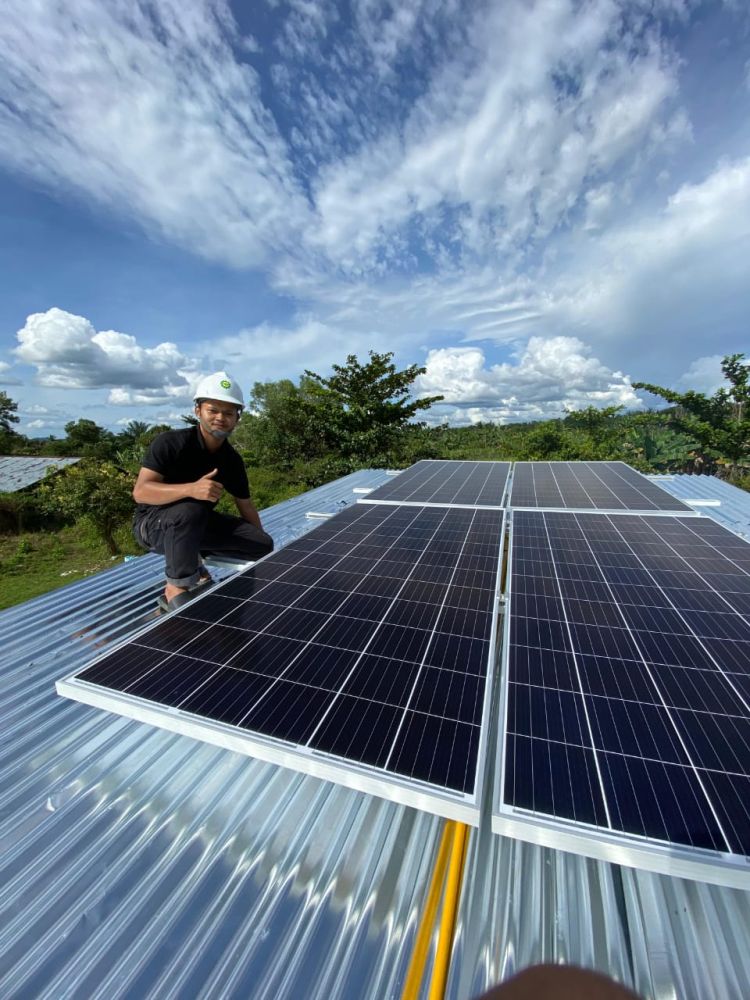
column 150, row 109
column 146, row 109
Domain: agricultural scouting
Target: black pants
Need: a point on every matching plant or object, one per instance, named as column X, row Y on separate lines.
column 182, row 531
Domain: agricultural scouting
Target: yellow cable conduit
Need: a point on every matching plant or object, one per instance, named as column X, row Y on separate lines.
column 453, row 845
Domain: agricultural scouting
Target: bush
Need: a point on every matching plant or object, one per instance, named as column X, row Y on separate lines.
column 100, row 492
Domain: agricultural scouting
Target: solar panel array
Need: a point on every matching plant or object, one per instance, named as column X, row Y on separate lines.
column 363, row 653
column 627, row 710
column 605, row 486
column 446, row 484
column 359, row 652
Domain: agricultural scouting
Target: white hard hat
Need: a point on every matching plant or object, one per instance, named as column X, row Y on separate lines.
column 221, row 386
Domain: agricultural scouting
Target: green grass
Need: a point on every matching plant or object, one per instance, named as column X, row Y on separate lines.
column 34, row 563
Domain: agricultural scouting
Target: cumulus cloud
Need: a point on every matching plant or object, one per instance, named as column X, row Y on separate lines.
column 68, row 353
column 418, row 174
column 550, row 377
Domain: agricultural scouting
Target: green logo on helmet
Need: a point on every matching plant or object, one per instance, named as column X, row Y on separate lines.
column 225, row 384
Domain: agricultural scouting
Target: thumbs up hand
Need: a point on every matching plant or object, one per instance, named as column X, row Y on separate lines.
column 207, row 488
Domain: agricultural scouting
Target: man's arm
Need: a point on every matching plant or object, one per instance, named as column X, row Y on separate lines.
column 150, row 488
column 248, row 512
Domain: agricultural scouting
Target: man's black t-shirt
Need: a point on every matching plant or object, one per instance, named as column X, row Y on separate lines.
column 182, row 457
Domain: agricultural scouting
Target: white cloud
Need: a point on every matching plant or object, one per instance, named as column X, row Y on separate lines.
column 68, row 353
column 267, row 352
column 6, row 378
column 703, row 375
column 599, row 202
column 425, row 174
column 507, row 144
column 664, row 278
column 155, row 397
column 145, row 109
column 550, row 377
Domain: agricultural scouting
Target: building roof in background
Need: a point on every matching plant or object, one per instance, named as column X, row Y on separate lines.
column 19, row 471
column 138, row 862
column 722, row 501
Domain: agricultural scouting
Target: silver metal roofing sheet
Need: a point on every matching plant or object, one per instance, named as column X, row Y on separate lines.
column 727, row 504
column 19, row 471
column 138, row 864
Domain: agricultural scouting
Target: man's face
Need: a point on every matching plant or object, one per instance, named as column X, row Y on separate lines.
column 217, row 418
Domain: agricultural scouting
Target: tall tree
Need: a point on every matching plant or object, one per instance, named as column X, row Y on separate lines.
column 86, row 438
column 366, row 405
column 719, row 423
column 281, row 425
column 8, row 416
column 131, row 434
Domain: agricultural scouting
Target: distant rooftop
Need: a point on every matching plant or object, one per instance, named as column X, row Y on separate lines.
column 19, row 471
column 715, row 497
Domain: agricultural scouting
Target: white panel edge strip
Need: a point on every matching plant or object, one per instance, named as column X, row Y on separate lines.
column 406, row 791
column 424, row 503
column 664, row 859
column 602, row 510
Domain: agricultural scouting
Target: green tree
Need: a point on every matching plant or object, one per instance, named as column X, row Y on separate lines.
column 87, row 440
column 131, row 443
column 365, row 406
column 130, row 436
column 720, row 424
column 8, row 416
column 100, row 492
column 600, row 424
column 282, row 425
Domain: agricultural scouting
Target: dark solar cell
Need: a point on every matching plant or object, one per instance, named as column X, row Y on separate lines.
column 648, row 679
column 367, row 641
column 446, row 483
column 611, row 486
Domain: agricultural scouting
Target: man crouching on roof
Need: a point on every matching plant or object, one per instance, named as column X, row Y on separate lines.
column 182, row 477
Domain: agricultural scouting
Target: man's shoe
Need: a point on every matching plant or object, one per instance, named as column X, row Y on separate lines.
column 178, row 601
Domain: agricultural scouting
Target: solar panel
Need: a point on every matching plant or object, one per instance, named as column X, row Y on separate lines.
column 626, row 692
column 360, row 653
column 606, row 486
column 435, row 483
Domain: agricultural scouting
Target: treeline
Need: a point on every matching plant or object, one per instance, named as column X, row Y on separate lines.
column 298, row 435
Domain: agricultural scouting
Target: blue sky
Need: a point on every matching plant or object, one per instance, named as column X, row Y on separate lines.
column 538, row 200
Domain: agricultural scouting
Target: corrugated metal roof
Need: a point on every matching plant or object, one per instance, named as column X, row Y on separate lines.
column 137, row 863
column 728, row 505
column 19, row 471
